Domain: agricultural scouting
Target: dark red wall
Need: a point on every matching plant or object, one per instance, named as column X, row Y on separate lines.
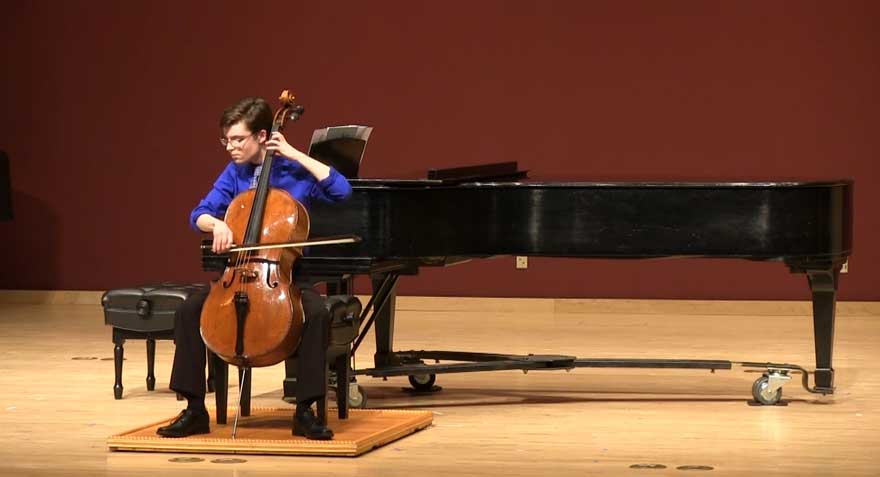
column 110, row 111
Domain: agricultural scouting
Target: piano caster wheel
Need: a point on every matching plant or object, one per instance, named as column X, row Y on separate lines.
column 357, row 397
column 767, row 389
column 422, row 382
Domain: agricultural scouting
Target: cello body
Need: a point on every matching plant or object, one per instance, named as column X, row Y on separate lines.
column 274, row 317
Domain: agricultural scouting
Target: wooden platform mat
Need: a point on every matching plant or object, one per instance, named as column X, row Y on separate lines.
column 267, row 431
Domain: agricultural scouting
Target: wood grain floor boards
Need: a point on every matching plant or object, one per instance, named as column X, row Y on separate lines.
column 57, row 411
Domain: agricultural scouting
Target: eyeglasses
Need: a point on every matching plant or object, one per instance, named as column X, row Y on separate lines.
column 236, row 141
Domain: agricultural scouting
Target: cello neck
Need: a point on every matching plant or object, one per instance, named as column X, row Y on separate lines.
column 255, row 220
column 289, row 110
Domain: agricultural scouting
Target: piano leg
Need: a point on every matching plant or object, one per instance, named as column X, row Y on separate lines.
column 384, row 316
column 823, row 285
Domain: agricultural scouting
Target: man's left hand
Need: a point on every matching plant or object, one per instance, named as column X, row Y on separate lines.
column 279, row 145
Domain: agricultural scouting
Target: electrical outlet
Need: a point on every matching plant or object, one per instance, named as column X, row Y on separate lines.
column 522, row 263
column 845, row 267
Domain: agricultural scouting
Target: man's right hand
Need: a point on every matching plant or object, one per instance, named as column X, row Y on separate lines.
column 222, row 237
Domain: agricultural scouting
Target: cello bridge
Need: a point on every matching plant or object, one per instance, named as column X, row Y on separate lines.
column 248, row 274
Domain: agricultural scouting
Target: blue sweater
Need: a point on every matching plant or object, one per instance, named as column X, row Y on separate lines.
column 286, row 174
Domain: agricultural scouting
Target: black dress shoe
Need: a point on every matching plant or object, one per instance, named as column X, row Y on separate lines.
column 187, row 423
column 306, row 424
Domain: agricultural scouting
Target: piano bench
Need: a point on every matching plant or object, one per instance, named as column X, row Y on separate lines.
column 345, row 321
column 144, row 313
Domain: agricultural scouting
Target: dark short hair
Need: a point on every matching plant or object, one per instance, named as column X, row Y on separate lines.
column 254, row 112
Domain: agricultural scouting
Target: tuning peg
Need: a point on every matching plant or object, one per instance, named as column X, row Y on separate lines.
column 296, row 112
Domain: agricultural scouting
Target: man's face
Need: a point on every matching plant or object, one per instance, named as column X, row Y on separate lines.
column 243, row 145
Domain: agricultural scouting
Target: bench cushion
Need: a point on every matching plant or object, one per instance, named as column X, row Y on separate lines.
column 148, row 307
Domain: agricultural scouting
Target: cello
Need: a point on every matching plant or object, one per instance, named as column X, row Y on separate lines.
column 253, row 315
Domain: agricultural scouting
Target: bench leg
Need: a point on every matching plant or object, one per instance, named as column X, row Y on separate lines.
column 221, row 387
column 151, row 364
column 342, row 379
column 118, row 352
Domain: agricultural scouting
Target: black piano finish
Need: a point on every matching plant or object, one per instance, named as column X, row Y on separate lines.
column 406, row 224
column 420, row 220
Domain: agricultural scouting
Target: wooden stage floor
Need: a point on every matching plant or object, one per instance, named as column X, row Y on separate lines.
column 57, row 410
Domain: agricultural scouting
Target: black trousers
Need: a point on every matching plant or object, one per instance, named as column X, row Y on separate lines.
column 188, row 371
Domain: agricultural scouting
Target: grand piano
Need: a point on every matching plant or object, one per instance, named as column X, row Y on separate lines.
column 483, row 211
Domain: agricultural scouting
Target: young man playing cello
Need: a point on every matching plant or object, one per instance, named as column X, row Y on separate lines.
column 245, row 133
